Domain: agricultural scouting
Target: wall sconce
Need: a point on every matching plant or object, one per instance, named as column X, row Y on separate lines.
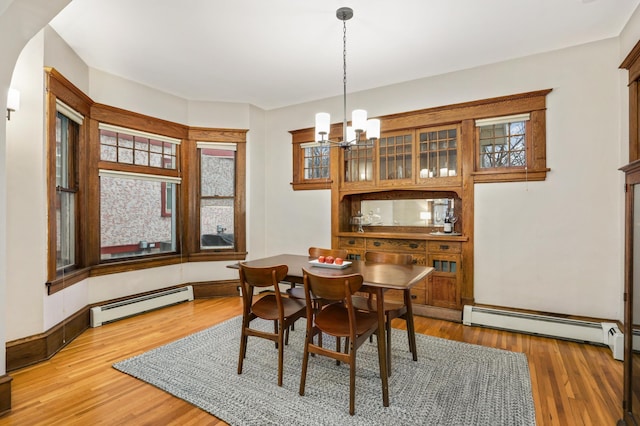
column 13, row 102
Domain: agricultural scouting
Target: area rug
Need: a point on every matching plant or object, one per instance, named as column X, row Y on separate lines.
column 452, row 383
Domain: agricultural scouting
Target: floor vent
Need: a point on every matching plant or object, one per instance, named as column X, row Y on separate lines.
column 126, row 308
column 600, row 333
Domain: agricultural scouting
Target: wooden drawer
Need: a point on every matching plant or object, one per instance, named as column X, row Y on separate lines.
column 402, row 246
column 445, row 247
column 418, row 294
column 351, row 243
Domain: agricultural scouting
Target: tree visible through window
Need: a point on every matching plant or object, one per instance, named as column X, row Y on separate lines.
column 502, row 142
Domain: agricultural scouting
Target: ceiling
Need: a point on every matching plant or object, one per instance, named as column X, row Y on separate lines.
column 275, row 53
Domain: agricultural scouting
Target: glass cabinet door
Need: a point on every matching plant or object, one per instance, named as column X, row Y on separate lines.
column 438, row 152
column 358, row 164
column 395, row 153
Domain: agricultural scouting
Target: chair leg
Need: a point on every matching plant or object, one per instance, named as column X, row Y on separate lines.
column 305, row 361
column 388, row 333
column 243, row 350
column 352, row 382
column 280, row 353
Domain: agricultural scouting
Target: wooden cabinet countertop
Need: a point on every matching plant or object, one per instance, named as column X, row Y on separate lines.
column 404, row 236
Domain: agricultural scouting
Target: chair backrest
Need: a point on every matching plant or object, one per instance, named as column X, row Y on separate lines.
column 268, row 276
column 387, row 257
column 331, row 288
column 318, row 251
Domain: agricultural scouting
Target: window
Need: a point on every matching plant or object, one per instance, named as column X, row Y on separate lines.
column 217, row 195
column 67, row 132
column 125, row 194
column 502, row 142
column 315, row 161
column 137, row 204
column 311, row 162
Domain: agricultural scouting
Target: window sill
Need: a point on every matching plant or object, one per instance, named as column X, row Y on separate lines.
column 302, row 186
column 489, row 176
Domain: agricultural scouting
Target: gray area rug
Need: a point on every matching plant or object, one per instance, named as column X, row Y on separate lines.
column 452, row 383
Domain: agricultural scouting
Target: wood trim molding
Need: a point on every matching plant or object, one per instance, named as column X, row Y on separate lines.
column 5, row 394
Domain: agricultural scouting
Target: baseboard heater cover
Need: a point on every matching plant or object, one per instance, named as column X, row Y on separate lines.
column 137, row 305
column 600, row 333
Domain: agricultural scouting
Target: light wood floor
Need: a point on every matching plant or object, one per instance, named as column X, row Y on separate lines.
column 573, row 384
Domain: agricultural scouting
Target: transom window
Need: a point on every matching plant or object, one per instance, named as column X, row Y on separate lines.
column 127, row 146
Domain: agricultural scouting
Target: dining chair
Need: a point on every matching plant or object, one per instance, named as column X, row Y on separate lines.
column 392, row 310
column 339, row 319
column 272, row 306
column 315, row 252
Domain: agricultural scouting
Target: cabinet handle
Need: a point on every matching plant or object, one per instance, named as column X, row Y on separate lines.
column 377, row 243
column 444, row 247
column 413, row 296
column 413, row 245
column 352, row 242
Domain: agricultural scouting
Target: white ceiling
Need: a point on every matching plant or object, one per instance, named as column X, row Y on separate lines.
column 274, row 53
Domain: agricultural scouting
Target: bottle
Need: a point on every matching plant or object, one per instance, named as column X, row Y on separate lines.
column 448, row 227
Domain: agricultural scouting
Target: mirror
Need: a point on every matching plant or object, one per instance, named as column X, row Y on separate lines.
column 428, row 212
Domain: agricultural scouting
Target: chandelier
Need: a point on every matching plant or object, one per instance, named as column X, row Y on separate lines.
column 353, row 135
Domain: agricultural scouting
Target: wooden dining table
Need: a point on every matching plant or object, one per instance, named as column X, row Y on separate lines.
column 377, row 277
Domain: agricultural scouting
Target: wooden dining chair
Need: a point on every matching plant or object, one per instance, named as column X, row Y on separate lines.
column 392, row 310
column 272, row 306
column 341, row 320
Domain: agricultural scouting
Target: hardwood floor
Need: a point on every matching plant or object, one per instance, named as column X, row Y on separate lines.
column 573, row 384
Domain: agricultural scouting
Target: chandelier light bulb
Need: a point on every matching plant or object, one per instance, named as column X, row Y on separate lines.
column 359, row 120
column 373, row 128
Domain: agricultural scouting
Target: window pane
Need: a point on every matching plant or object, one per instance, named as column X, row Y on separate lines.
column 217, row 173
column 316, row 162
column 217, row 198
column 503, row 145
column 124, row 148
column 135, row 219
column 216, row 223
column 65, row 225
column 67, row 132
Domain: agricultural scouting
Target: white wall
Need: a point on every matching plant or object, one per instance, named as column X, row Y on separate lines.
column 19, row 22
column 550, row 246
column 26, row 193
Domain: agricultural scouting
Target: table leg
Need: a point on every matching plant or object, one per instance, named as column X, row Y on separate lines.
column 410, row 327
column 382, row 347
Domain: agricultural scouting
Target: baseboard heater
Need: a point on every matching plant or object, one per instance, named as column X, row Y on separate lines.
column 600, row 333
column 137, row 305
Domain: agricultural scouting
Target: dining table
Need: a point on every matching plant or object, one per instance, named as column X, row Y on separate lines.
column 377, row 278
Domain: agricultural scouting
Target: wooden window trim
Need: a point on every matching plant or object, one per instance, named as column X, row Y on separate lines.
column 299, row 183
column 58, row 87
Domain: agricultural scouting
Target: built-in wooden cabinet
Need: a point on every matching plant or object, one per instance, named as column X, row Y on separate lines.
column 443, row 289
column 431, row 154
